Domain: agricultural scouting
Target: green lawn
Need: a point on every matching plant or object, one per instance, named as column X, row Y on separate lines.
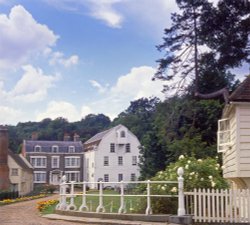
column 111, row 203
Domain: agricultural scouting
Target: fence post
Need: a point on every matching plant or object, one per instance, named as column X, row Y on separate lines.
column 84, row 204
column 122, row 208
column 72, row 205
column 62, row 205
column 148, row 209
column 181, row 207
column 100, row 206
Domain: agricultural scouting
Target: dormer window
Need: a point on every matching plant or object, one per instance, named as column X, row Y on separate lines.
column 123, row 134
column 71, row 149
column 54, row 148
column 37, row 148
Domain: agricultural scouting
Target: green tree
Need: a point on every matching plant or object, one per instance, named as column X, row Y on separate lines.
column 224, row 30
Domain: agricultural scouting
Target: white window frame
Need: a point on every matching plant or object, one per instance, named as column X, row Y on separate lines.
column 106, row 177
column 122, row 134
column 112, row 147
column 57, row 163
column 69, row 175
column 132, row 177
column 74, row 162
column 128, row 148
column 120, row 161
column 120, row 177
column 34, row 161
column 40, row 181
column 71, row 149
column 37, row 148
column 105, row 161
column 54, row 148
column 134, row 160
column 223, row 135
column 14, row 172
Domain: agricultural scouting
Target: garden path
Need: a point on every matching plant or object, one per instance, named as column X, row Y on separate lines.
column 26, row 213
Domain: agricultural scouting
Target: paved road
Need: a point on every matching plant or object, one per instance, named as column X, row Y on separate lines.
column 25, row 213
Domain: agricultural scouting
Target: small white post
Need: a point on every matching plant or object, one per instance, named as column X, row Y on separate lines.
column 100, row 206
column 72, row 205
column 181, row 206
column 84, row 204
column 148, row 209
column 62, row 205
column 122, row 205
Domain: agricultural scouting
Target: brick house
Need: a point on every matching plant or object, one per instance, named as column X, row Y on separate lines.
column 52, row 159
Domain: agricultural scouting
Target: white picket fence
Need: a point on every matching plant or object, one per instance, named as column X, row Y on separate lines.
column 230, row 206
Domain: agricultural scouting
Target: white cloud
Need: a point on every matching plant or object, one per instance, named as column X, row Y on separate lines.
column 9, row 115
column 33, row 86
column 57, row 109
column 104, row 10
column 86, row 110
column 58, row 58
column 132, row 86
column 21, row 36
column 101, row 89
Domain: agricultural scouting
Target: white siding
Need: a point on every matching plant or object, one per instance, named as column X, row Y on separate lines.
column 244, row 140
column 230, row 156
column 113, row 169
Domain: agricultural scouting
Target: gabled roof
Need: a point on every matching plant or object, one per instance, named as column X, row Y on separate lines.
column 99, row 136
column 242, row 93
column 21, row 161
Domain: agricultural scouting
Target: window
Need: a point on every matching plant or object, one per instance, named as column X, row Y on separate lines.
column 73, row 176
column 223, row 135
column 71, row 149
column 134, row 160
column 132, row 177
column 106, row 178
column 14, row 172
column 54, row 148
column 120, row 177
column 106, row 161
column 40, row 177
column 72, row 162
column 55, row 162
column 38, row 161
column 120, row 160
column 112, row 147
column 128, row 147
column 37, row 148
column 123, row 134
column 87, row 163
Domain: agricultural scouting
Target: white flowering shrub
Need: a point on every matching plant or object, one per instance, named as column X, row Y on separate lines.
column 198, row 173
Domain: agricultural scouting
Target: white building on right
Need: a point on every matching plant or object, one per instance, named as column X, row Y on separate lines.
column 112, row 156
column 234, row 136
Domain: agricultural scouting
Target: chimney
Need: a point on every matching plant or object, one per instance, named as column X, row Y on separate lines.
column 4, row 169
column 34, row 136
column 66, row 137
column 76, row 137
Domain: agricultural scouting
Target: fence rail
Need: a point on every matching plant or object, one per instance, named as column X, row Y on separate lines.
column 67, row 200
column 231, row 206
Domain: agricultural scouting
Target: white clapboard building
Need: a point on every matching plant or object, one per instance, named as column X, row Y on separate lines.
column 234, row 136
column 112, row 156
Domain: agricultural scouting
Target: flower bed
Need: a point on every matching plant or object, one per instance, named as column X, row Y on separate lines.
column 44, row 206
column 27, row 198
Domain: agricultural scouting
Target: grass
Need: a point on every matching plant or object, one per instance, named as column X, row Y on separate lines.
column 110, row 203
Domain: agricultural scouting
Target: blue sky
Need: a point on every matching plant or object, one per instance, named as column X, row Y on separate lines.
column 69, row 58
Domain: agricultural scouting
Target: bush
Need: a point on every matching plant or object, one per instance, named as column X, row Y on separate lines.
column 50, row 188
column 8, row 195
